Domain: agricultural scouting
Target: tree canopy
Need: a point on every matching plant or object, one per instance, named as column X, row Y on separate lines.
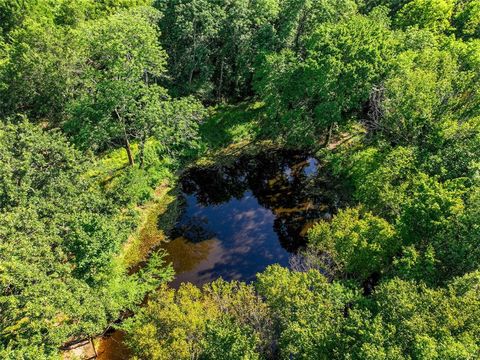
column 103, row 103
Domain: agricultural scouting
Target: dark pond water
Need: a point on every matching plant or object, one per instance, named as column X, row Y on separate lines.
column 239, row 219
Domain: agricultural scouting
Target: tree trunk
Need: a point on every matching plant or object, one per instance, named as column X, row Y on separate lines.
column 221, row 81
column 190, row 78
column 329, row 135
column 93, row 346
column 194, row 46
column 299, row 31
column 125, row 138
column 142, row 150
column 129, row 152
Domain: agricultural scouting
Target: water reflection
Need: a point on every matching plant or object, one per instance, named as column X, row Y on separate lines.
column 112, row 347
column 241, row 218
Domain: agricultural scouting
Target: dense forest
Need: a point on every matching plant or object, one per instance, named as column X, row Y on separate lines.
column 103, row 101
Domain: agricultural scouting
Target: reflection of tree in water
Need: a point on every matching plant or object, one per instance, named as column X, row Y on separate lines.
column 213, row 186
column 185, row 255
column 286, row 182
column 194, row 228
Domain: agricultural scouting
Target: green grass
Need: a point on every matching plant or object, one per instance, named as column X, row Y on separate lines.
column 157, row 218
column 228, row 124
column 114, row 162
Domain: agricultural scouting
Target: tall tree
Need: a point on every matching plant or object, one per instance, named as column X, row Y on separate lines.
column 118, row 81
column 343, row 62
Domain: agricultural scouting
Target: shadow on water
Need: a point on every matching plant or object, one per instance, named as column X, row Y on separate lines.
column 238, row 219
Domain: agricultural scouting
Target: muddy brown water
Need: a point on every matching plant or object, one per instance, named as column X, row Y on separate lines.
column 240, row 218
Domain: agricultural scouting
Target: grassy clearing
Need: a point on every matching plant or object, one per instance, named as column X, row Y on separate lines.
column 231, row 131
column 229, row 124
column 114, row 164
column 235, row 130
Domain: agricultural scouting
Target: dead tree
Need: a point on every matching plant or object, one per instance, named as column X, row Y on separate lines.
column 375, row 109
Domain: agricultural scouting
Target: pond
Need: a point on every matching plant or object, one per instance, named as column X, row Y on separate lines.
column 239, row 218
column 242, row 217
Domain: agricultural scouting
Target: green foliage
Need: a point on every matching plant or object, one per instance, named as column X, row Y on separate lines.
column 109, row 73
column 296, row 20
column 307, row 309
column 41, row 62
column 188, row 28
column 380, row 177
column 76, row 232
column 224, row 321
column 123, row 57
column 355, row 243
column 432, row 206
column 467, row 18
column 416, row 265
column 438, row 223
column 178, row 130
column 13, row 13
column 414, row 322
column 129, row 105
column 425, row 89
column 434, row 15
column 111, row 6
column 456, row 152
column 226, row 340
column 343, row 61
column 213, row 45
column 27, row 352
column 314, row 319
